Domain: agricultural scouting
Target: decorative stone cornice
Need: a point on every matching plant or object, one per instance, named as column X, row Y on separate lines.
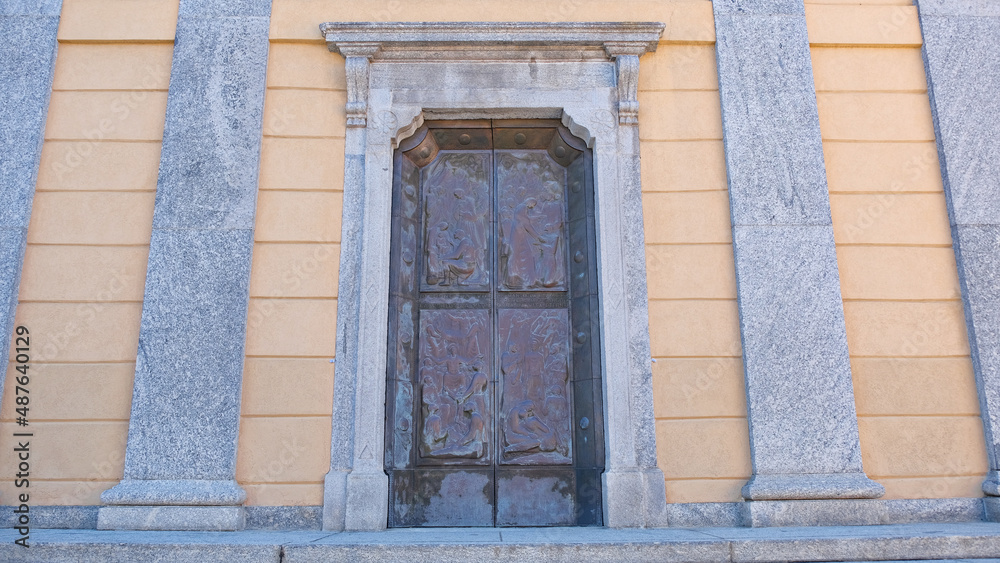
column 364, row 42
column 476, row 34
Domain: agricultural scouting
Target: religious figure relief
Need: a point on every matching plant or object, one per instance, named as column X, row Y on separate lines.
column 454, row 384
column 532, row 232
column 456, row 206
column 536, row 398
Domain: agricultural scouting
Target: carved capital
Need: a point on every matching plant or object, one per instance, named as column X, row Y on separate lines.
column 358, row 59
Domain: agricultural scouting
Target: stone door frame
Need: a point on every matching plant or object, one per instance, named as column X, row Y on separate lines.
column 398, row 75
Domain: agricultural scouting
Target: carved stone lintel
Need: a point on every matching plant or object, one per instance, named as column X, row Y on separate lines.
column 357, row 61
column 626, row 56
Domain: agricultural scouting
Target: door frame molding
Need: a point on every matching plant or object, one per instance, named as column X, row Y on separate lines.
column 398, row 75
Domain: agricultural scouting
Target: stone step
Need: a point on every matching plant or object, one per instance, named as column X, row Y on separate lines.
column 973, row 541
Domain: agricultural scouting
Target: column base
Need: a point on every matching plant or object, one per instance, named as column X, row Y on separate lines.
column 335, row 499
column 173, row 504
column 174, row 518
column 367, row 501
column 828, row 512
column 991, row 509
column 813, row 486
column 991, row 485
column 634, row 498
column 167, row 492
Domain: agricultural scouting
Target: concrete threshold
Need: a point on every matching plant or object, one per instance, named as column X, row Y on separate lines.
column 976, row 541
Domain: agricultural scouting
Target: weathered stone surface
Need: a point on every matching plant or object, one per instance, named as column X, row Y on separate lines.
column 774, row 153
column 856, row 512
column 958, row 8
column 75, row 546
column 826, row 512
column 186, row 399
column 977, row 248
column 409, row 34
column 30, row 8
column 759, row 7
column 571, row 545
column 225, row 8
column 793, row 486
column 682, row 515
column 180, row 457
column 708, row 514
column 866, row 543
column 27, row 60
column 212, row 136
column 214, row 518
column 991, row 508
column 12, row 245
column 186, row 492
column 53, row 517
column 961, row 40
column 284, row 517
column 803, row 426
column 963, row 72
column 926, row 510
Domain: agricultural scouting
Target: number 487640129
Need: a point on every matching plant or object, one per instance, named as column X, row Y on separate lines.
column 21, row 358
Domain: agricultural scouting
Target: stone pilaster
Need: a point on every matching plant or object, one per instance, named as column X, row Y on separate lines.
column 27, row 61
column 803, row 426
column 180, row 460
column 962, row 59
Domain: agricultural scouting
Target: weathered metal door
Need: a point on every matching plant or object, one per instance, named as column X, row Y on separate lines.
column 493, row 410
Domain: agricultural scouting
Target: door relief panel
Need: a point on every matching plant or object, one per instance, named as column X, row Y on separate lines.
column 535, row 403
column 456, row 225
column 532, row 215
column 493, row 395
column 455, row 386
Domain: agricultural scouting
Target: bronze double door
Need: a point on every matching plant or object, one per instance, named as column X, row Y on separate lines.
column 493, row 407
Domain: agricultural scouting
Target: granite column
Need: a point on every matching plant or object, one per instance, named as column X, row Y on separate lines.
column 803, row 426
column 962, row 59
column 27, row 61
column 180, row 460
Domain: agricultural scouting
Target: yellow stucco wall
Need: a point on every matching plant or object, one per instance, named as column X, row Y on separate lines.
column 284, row 448
column 918, row 415
column 88, row 242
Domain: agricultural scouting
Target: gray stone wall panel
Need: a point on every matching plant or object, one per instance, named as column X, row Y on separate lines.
column 30, row 8
column 803, row 426
column 27, row 61
column 977, row 249
column 774, row 155
column 180, row 459
column 12, row 246
column 959, row 8
column 225, row 8
column 211, row 141
column 962, row 55
column 190, row 361
column 759, row 7
column 800, row 399
column 961, row 46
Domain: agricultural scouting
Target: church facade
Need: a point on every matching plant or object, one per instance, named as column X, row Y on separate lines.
column 306, row 264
